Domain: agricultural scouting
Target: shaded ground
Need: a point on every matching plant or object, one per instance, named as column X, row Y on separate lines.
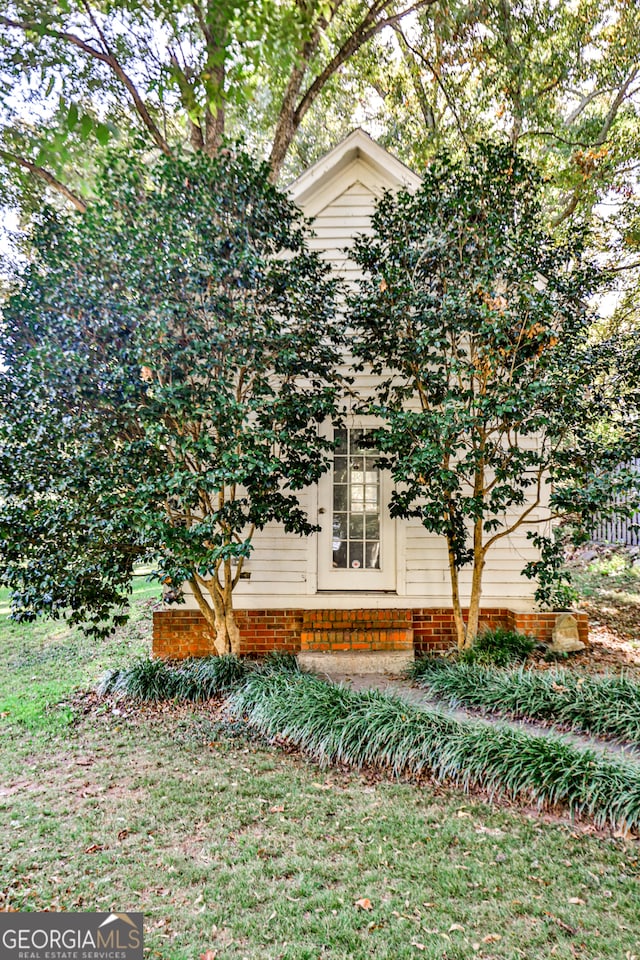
column 231, row 846
column 608, row 580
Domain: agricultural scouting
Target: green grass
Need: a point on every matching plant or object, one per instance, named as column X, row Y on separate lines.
column 608, row 574
column 337, row 725
column 230, row 845
column 603, row 706
column 43, row 662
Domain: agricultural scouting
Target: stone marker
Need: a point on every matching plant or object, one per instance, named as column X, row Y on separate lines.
column 565, row 638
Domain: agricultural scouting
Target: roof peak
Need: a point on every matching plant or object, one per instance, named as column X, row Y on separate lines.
column 357, row 145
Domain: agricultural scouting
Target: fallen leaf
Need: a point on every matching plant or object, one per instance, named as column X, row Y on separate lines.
column 577, row 900
column 276, row 809
column 209, row 955
column 418, row 946
column 455, row 926
column 364, row 903
column 94, row 848
column 491, row 832
column 491, row 938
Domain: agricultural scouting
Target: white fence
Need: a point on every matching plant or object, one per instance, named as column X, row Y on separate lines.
column 619, row 529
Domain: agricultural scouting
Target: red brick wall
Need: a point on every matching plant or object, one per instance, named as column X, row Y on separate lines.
column 434, row 628
column 181, row 633
column 184, row 633
column 541, row 625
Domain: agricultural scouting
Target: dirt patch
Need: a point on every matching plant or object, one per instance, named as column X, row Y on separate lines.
column 20, row 786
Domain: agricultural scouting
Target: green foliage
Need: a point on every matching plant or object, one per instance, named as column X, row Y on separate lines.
column 606, row 706
column 554, row 590
column 285, row 662
column 169, row 356
column 196, row 679
column 337, row 725
column 145, row 680
column 498, row 647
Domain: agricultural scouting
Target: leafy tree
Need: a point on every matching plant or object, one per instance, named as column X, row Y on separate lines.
column 493, row 388
column 560, row 81
column 169, row 356
column 76, row 73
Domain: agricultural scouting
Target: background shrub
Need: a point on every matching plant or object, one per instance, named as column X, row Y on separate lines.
column 499, row 647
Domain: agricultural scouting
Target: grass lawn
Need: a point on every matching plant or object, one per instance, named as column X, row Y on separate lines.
column 234, row 847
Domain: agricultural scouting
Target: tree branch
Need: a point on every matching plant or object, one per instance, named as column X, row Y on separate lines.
column 414, row 72
column 109, row 59
column 46, row 177
column 624, row 266
column 367, row 29
column 609, row 120
column 291, row 116
column 584, row 103
column 427, row 63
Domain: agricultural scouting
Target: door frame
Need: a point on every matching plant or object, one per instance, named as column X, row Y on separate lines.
column 334, row 579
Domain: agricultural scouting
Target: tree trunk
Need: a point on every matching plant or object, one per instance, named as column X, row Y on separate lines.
column 227, row 633
column 219, row 615
column 286, row 126
column 476, row 591
column 479, row 492
column 455, row 598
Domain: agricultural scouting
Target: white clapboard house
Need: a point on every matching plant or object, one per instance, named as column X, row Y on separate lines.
column 366, row 584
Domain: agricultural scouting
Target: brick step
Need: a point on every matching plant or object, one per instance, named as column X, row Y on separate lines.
column 357, row 639
column 357, row 620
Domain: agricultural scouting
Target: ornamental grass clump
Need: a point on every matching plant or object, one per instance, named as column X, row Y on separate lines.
column 197, row 679
column 336, row 725
column 605, row 706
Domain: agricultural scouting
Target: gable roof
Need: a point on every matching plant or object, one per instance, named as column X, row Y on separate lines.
column 359, row 157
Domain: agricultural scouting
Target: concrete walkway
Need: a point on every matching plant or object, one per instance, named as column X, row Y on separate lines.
column 420, row 698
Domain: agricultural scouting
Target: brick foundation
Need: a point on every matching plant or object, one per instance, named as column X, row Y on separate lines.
column 181, row 633
column 435, row 629
column 184, row 633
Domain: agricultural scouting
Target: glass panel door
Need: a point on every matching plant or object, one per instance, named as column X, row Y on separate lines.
column 357, row 542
